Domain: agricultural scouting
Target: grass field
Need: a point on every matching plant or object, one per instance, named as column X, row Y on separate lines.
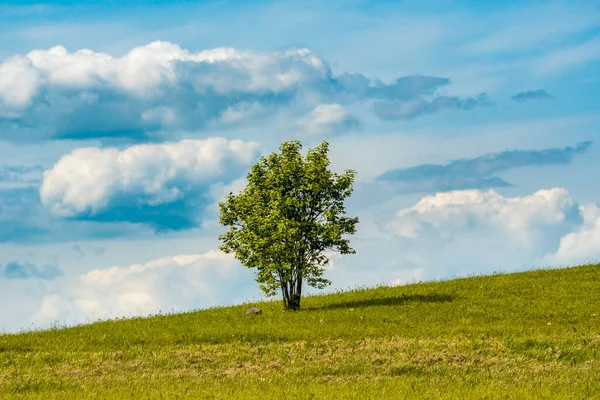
column 527, row 335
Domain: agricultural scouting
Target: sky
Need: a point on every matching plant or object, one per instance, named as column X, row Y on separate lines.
column 472, row 126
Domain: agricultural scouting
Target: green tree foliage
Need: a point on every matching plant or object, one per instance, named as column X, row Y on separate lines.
column 291, row 211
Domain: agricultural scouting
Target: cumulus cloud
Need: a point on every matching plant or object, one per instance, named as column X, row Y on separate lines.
column 456, row 234
column 531, row 95
column 582, row 245
column 473, row 231
column 477, row 173
column 410, row 109
column 328, row 119
column 449, row 213
column 19, row 83
column 16, row 270
column 161, row 87
column 178, row 283
column 163, row 185
column 55, row 93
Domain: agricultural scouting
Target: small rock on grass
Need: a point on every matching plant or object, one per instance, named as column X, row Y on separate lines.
column 253, row 311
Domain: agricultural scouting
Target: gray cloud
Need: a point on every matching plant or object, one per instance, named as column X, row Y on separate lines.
column 99, row 251
column 78, row 250
column 23, row 219
column 16, row 270
column 21, row 174
column 410, row 109
column 531, row 95
column 476, row 173
column 21, row 214
column 81, row 253
column 405, row 88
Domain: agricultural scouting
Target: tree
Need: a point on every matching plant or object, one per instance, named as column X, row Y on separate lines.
column 291, row 211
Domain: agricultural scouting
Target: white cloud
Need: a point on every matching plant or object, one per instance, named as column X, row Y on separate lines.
column 144, row 69
column 160, row 87
column 152, row 87
column 333, row 257
column 328, row 119
column 19, row 82
column 50, row 309
column 92, row 180
column 176, row 283
column 460, row 232
column 582, row 245
column 163, row 115
column 244, row 113
column 450, row 213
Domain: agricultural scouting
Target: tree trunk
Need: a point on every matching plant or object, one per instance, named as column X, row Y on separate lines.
column 294, row 300
column 285, row 294
column 298, row 291
column 292, row 293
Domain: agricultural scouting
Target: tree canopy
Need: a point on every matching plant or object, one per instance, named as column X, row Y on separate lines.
column 291, row 211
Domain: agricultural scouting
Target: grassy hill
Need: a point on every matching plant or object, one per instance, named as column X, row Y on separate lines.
column 527, row 335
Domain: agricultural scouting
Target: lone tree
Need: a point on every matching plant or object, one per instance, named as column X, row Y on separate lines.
column 291, row 211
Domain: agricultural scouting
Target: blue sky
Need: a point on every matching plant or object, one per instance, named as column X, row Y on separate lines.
column 473, row 127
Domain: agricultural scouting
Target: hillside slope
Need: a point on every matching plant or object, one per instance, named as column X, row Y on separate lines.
column 527, row 335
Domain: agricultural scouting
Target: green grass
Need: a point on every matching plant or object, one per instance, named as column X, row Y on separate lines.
column 527, row 335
